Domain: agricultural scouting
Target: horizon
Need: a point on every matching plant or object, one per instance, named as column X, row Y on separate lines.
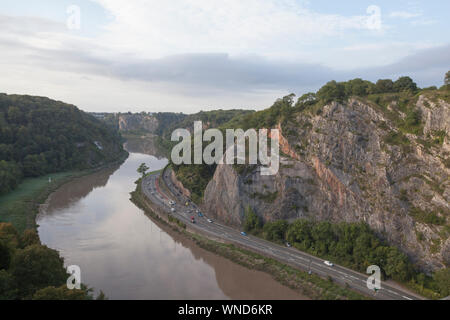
column 189, row 56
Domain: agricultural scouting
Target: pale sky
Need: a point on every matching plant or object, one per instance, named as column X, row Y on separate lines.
column 192, row 55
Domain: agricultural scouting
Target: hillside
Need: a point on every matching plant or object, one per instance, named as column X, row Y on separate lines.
column 155, row 129
column 355, row 161
column 39, row 136
column 380, row 157
column 163, row 123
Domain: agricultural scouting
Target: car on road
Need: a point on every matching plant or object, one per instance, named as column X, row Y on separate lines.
column 192, row 219
column 288, row 245
column 210, row 221
column 328, row 263
column 243, row 233
column 172, row 210
column 200, row 214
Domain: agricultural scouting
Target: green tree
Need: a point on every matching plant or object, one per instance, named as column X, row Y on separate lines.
column 275, row 231
column 62, row 293
column 384, row 86
column 357, row 87
column 252, row 222
column 332, row 91
column 405, row 84
column 442, row 281
column 10, row 175
column 143, row 169
column 37, row 267
column 300, row 232
column 5, row 255
column 8, row 289
column 307, row 98
column 9, row 235
column 447, row 78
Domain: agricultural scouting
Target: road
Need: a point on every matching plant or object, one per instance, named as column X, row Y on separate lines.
column 162, row 195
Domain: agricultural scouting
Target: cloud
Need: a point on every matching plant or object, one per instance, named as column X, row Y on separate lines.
column 404, row 14
column 42, row 57
column 274, row 28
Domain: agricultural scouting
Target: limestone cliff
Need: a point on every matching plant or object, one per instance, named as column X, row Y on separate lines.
column 354, row 162
column 138, row 122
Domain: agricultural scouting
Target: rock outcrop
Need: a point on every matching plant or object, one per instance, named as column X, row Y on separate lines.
column 342, row 164
column 138, row 122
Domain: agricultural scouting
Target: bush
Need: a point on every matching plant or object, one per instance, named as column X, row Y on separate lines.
column 252, row 222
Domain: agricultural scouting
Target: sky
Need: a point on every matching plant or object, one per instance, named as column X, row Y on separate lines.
column 192, row 55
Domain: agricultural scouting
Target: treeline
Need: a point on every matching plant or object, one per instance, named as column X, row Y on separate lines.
column 29, row 270
column 39, row 136
column 284, row 107
column 211, row 119
column 353, row 245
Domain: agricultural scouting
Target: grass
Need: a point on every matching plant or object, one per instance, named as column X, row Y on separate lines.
column 21, row 205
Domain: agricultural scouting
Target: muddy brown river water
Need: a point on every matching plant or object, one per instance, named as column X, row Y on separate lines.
column 94, row 225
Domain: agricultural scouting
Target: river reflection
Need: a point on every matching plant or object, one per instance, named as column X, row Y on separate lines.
column 94, row 225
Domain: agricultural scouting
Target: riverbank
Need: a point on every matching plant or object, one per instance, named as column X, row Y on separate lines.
column 311, row 286
column 21, row 206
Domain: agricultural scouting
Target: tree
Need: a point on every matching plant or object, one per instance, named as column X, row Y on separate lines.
column 5, row 255
column 10, row 175
column 9, row 235
column 252, row 222
column 8, row 290
column 357, row 87
column 37, row 267
column 275, row 231
column 332, row 91
column 307, row 98
column 62, row 293
column 143, row 169
column 384, row 86
column 28, row 238
column 442, row 280
column 447, row 78
column 405, row 84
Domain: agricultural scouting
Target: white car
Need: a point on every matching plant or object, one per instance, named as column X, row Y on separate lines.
column 328, row 263
column 173, row 209
column 210, row 221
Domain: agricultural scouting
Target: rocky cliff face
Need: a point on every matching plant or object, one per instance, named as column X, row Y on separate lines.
column 138, row 122
column 351, row 162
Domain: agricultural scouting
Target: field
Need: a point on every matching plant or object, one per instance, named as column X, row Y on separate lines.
column 20, row 206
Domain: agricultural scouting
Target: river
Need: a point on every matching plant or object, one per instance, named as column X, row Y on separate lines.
column 94, row 225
